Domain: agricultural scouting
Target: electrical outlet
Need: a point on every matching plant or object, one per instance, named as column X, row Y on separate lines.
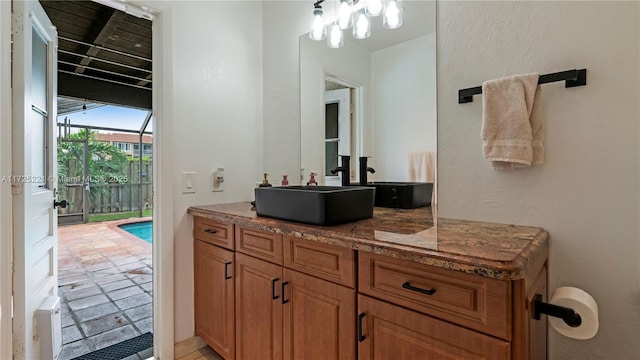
column 217, row 178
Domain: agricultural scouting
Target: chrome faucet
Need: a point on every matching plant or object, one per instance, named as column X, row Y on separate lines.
column 364, row 169
column 345, row 169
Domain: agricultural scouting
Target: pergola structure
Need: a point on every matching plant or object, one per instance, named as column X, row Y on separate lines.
column 104, row 55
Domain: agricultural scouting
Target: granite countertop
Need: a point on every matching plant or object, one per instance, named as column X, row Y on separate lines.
column 497, row 251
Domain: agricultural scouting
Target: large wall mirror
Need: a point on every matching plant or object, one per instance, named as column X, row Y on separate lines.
column 374, row 97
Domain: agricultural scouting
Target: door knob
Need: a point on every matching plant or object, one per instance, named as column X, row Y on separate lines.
column 63, row 204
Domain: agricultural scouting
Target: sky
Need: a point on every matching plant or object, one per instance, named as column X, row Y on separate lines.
column 109, row 116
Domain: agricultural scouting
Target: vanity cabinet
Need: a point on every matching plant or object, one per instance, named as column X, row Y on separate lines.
column 274, row 311
column 319, row 298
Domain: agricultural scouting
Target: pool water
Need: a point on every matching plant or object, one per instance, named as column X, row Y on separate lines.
column 139, row 229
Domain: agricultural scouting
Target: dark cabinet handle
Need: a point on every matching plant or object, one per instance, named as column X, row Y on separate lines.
column 284, row 284
column 408, row 286
column 211, row 231
column 361, row 337
column 273, row 289
column 226, row 271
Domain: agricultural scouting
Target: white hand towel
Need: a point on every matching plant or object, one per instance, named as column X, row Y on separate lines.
column 512, row 131
column 422, row 166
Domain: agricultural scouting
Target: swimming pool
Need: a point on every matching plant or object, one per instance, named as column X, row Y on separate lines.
column 140, row 229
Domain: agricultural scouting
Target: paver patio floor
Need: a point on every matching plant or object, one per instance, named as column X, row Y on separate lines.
column 105, row 286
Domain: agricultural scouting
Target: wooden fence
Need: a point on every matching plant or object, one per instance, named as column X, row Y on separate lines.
column 113, row 197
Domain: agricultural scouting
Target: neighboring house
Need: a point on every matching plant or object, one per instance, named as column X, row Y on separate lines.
column 128, row 143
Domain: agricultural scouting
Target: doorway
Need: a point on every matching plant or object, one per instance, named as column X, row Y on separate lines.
column 105, row 273
column 104, row 241
column 163, row 278
column 343, row 124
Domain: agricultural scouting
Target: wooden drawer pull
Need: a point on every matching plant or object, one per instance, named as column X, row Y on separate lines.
column 361, row 337
column 408, row 286
column 211, row 231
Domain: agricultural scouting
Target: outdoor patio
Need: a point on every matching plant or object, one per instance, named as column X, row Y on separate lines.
column 105, row 284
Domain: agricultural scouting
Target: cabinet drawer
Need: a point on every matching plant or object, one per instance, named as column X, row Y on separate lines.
column 213, row 232
column 261, row 244
column 470, row 300
column 327, row 262
column 387, row 331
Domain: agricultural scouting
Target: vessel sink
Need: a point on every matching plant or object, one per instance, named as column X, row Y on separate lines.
column 402, row 195
column 318, row 205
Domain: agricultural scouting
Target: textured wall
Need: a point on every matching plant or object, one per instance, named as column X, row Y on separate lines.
column 212, row 103
column 587, row 192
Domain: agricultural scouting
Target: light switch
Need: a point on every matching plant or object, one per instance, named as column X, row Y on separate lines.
column 188, row 182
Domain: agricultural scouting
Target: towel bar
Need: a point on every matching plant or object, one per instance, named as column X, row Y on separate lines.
column 572, row 78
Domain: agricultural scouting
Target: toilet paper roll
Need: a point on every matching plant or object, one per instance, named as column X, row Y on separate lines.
column 584, row 305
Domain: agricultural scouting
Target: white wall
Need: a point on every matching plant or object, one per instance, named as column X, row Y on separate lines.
column 212, row 102
column 351, row 63
column 403, row 105
column 587, row 192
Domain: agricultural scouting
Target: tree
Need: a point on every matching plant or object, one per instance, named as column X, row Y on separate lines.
column 106, row 165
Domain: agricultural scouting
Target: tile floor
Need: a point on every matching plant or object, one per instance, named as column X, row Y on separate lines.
column 105, row 284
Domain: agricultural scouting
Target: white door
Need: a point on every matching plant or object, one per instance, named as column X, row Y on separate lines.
column 34, row 171
column 337, row 136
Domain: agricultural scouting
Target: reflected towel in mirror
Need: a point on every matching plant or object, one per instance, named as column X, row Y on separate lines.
column 422, row 166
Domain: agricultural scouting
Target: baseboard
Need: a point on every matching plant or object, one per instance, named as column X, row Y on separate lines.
column 187, row 346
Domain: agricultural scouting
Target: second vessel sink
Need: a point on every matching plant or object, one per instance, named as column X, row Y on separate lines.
column 318, row 205
column 402, row 195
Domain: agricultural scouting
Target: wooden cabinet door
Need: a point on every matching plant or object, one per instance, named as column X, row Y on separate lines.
column 318, row 319
column 258, row 309
column 388, row 331
column 214, row 294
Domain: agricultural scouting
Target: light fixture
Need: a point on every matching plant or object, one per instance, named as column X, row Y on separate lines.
column 374, row 7
column 361, row 25
column 345, row 19
column 335, row 38
column 318, row 30
column 356, row 14
column 84, row 106
column 392, row 17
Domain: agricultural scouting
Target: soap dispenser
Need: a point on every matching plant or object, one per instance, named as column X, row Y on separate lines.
column 265, row 181
column 312, row 181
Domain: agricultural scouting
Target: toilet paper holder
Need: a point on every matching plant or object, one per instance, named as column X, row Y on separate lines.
column 569, row 316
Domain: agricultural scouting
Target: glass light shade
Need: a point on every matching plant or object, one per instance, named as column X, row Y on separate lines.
column 374, row 7
column 392, row 17
column 335, row 39
column 361, row 25
column 318, row 30
column 345, row 20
